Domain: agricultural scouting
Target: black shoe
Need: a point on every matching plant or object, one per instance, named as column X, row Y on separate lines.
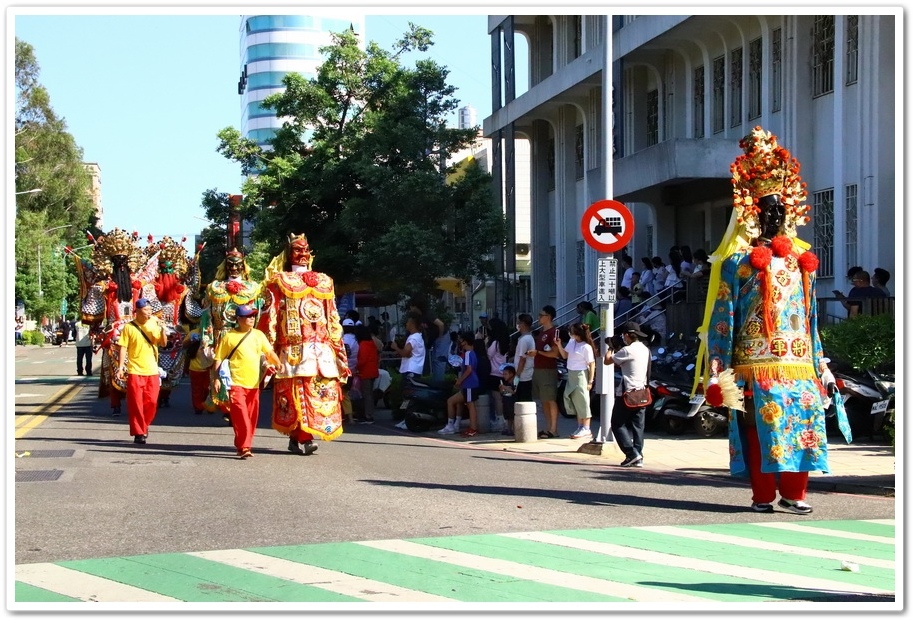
column 309, row 448
column 140, row 439
column 79, row 373
column 760, row 507
column 633, row 461
column 115, row 411
column 294, row 446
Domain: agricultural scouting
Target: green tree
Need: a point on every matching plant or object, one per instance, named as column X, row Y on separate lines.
column 359, row 167
column 53, row 203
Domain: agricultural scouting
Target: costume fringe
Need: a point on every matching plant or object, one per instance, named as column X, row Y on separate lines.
column 774, row 372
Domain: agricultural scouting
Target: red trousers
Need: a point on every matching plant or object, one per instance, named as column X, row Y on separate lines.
column 792, row 485
column 200, row 387
column 302, row 436
column 142, row 400
column 244, row 408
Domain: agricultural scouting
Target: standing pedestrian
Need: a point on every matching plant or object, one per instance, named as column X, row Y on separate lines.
column 351, row 344
column 497, row 350
column 412, row 353
column 880, row 278
column 83, row 349
column 525, row 350
column 629, row 423
column 468, row 386
column 367, row 372
column 545, row 379
column 243, row 348
column 507, row 388
column 138, row 368
column 764, row 351
column 587, row 315
column 579, row 354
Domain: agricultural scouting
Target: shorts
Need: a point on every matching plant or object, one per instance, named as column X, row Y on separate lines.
column 491, row 384
column 470, row 394
column 523, row 391
column 544, row 384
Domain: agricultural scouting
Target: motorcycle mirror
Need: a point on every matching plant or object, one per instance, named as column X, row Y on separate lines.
column 690, row 367
column 661, row 350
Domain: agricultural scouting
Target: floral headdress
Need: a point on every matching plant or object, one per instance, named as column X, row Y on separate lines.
column 173, row 258
column 116, row 242
column 764, row 169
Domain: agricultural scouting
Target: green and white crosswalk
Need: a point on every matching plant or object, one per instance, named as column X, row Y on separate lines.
column 733, row 563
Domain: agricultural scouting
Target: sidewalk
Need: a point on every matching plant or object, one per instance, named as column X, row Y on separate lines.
column 861, row 467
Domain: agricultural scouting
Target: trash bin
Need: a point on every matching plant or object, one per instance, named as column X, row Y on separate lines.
column 526, row 422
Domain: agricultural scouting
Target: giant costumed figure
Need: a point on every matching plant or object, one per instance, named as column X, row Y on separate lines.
column 177, row 278
column 231, row 287
column 118, row 274
column 761, row 353
column 302, row 323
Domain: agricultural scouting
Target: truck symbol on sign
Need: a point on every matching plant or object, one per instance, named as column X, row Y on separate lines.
column 609, row 225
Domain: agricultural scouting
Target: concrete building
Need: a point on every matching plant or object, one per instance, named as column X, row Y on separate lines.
column 686, row 89
column 95, row 189
column 272, row 46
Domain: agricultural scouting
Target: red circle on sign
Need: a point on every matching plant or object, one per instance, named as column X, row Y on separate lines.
column 598, row 221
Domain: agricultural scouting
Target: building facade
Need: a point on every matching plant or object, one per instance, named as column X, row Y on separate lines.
column 685, row 90
column 95, row 190
column 272, row 46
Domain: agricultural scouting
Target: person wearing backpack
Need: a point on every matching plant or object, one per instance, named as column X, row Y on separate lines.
column 138, row 368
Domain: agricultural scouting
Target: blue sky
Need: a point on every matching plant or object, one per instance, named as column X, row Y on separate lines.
column 145, row 95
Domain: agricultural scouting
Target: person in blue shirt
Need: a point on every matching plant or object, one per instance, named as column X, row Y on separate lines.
column 468, row 386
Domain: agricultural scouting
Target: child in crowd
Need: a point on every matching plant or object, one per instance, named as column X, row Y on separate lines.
column 507, row 388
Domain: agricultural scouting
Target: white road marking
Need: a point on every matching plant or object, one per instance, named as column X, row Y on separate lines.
column 334, row 581
column 696, row 564
column 814, row 530
column 82, row 586
column 532, row 573
column 766, row 545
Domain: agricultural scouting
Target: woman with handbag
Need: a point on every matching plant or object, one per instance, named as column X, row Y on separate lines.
column 628, row 418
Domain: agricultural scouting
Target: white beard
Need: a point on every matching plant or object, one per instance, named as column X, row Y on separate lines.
column 300, row 269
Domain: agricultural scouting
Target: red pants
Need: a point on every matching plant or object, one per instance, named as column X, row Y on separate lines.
column 200, row 387
column 302, row 436
column 142, row 399
column 114, row 398
column 244, row 408
column 792, row 485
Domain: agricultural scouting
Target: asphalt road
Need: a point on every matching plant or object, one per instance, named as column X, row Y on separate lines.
column 185, row 490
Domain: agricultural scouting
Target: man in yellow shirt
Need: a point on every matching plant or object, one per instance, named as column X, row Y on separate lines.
column 243, row 348
column 138, row 362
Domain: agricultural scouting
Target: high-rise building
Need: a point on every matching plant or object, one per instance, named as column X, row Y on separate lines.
column 467, row 117
column 95, row 189
column 272, row 46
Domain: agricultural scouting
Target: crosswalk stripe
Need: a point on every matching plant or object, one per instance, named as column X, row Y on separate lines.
column 527, row 572
column 345, row 584
column 883, row 522
column 757, row 575
column 814, row 530
column 765, row 545
column 82, row 586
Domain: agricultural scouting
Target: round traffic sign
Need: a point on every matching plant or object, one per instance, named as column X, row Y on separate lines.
column 607, row 225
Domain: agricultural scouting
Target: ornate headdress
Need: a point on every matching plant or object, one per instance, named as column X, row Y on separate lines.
column 116, row 242
column 764, row 169
column 233, row 255
column 279, row 263
column 173, row 258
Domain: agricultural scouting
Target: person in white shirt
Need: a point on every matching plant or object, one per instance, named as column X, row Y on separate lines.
column 579, row 354
column 413, row 353
column 628, row 425
column 524, row 358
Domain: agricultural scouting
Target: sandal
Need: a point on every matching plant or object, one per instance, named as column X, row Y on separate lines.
column 543, row 435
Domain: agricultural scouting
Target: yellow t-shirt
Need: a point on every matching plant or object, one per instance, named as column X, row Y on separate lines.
column 245, row 365
column 142, row 357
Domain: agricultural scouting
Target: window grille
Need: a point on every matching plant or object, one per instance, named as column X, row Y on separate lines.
column 551, row 163
column 852, row 224
column 552, row 272
column 580, row 266
column 580, row 152
column 823, row 231
column 652, row 117
column 718, row 95
column 699, row 101
column 737, row 74
column 823, row 44
column 852, row 49
column 776, row 71
column 577, row 36
column 755, row 78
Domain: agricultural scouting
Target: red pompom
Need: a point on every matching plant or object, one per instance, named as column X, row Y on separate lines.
column 714, row 395
column 233, row 287
column 311, row 279
column 112, row 286
column 781, row 246
column 135, row 284
column 200, row 247
column 184, row 238
column 761, row 257
column 808, row 262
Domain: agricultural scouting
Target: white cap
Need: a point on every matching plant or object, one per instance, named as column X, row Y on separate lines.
column 347, row 322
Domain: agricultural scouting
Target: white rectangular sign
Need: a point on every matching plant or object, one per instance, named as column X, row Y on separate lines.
column 607, row 280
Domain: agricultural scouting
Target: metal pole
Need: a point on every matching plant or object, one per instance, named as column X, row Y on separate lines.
column 40, row 292
column 607, row 380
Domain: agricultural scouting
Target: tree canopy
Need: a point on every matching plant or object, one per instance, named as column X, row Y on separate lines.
column 359, row 167
column 53, row 202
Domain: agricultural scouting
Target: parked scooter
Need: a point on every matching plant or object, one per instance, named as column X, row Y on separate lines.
column 425, row 403
column 869, row 401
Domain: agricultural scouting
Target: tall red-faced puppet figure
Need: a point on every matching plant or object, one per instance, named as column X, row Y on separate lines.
column 761, row 350
column 302, row 323
column 117, row 274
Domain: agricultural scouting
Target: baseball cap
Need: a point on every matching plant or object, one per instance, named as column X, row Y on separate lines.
column 141, row 303
column 348, row 322
column 483, row 315
column 243, row 311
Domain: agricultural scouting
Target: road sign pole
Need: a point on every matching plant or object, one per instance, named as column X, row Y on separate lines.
column 607, row 380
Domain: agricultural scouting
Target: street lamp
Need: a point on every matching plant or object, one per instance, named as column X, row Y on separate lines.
column 27, row 192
